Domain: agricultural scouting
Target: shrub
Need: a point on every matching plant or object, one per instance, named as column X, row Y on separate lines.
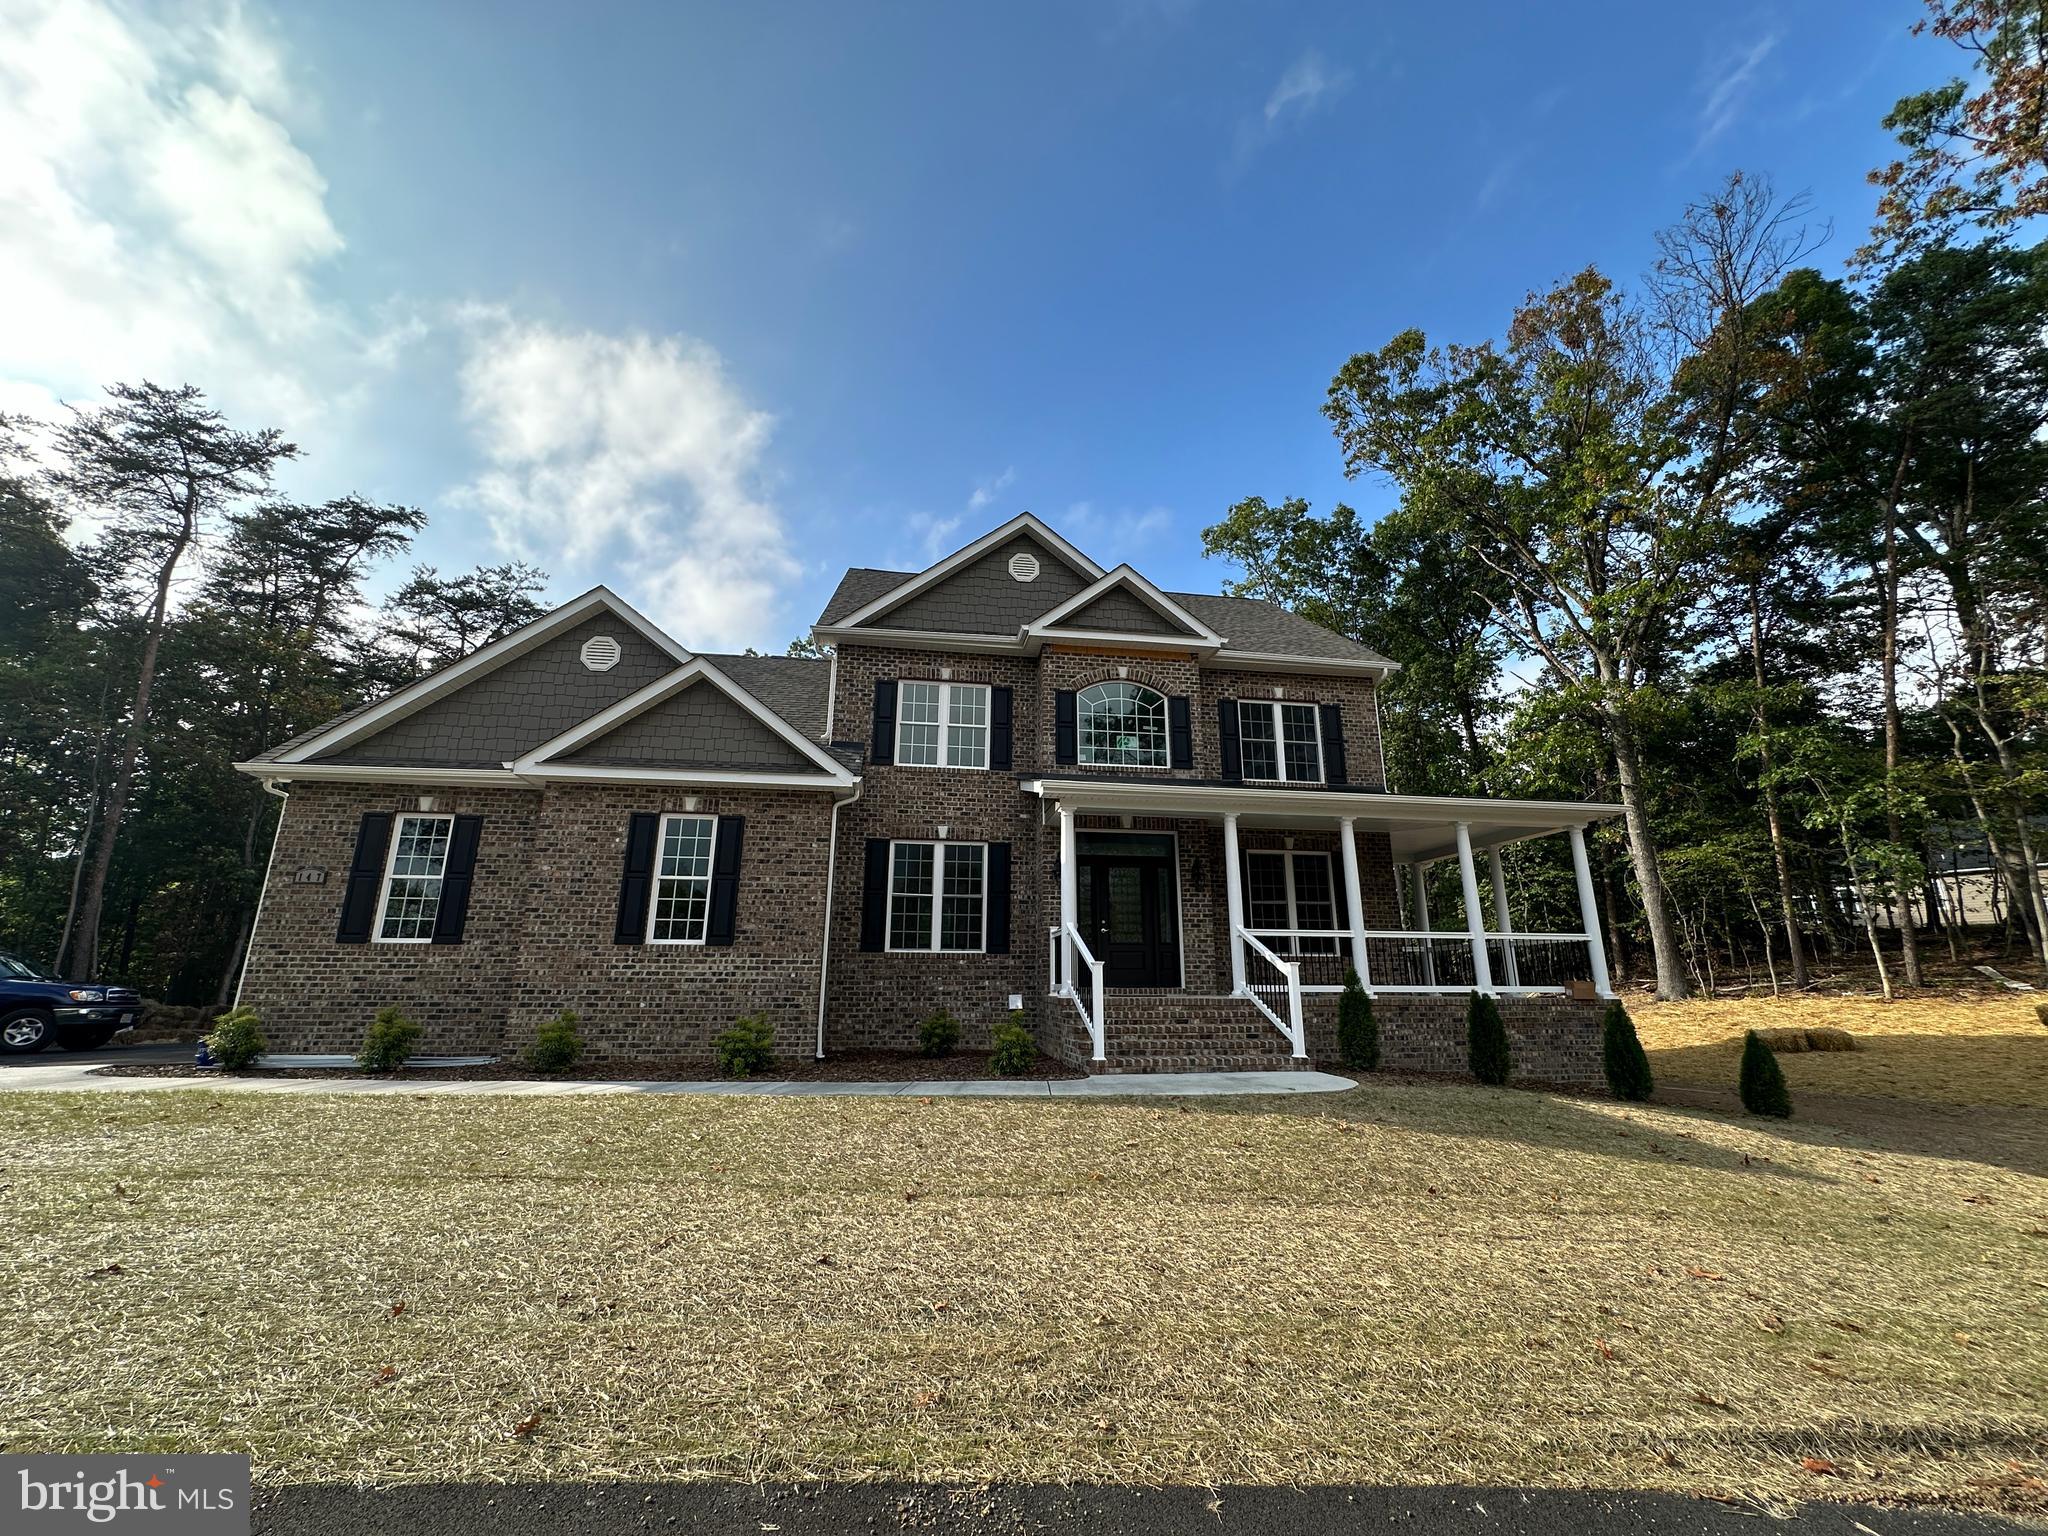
column 1762, row 1083
column 390, row 1038
column 746, row 1048
column 1016, row 1052
column 1486, row 1038
column 938, row 1034
column 557, row 1045
column 237, row 1039
column 1358, row 1032
column 1621, row 1053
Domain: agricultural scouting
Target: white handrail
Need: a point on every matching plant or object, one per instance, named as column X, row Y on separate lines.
column 1093, row 1018
column 1292, row 1027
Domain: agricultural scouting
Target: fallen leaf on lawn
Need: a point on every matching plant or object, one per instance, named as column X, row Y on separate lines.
column 1703, row 1274
column 384, row 1373
column 1709, row 1399
column 1606, row 1349
column 1845, row 1325
column 398, row 1309
column 105, row 1270
column 925, row 1399
column 1966, row 1341
column 1871, row 1178
column 1770, row 1322
column 1976, row 1200
column 924, row 1100
column 940, row 1306
column 826, row 1260
column 525, row 1427
column 1821, row 1367
column 1820, row 1466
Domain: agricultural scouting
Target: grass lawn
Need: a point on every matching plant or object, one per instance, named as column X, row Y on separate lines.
column 1406, row 1283
column 1960, row 1048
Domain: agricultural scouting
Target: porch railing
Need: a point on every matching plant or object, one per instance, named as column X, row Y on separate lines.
column 1539, row 962
column 1399, row 960
column 1322, row 953
column 1273, row 984
column 1061, row 985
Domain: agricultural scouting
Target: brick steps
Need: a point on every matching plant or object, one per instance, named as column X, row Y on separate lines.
column 1180, row 1033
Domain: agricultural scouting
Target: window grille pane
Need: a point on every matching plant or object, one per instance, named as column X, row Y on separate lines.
column 910, row 897
column 1302, row 728
column 917, row 724
column 1122, row 725
column 419, row 857
column 1257, row 751
column 682, row 880
column 1315, row 901
column 967, row 727
column 960, row 908
column 1266, row 891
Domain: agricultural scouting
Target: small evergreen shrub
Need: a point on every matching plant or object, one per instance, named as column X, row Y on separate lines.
column 237, row 1040
column 1486, row 1039
column 388, row 1041
column 1016, row 1052
column 746, row 1048
column 1358, row 1032
column 1762, row 1083
column 558, row 1044
column 938, row 1034
column 1621, row 1053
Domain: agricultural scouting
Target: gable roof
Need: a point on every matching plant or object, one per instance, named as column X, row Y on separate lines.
column 982, row 591
column 1125, row 604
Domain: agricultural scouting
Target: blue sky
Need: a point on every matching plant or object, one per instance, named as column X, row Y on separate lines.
column 710, row 302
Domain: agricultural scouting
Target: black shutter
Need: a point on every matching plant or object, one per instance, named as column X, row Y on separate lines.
column 882, row 734
column 725, row 878
column 453, row 911
column 365, row 878
column 874, row 895
column 1226, row 738
column 997, row 920
column 1000, row 707
column 636, row 880
column 1065, row 749
column 1333, row 745
column 1180, row 734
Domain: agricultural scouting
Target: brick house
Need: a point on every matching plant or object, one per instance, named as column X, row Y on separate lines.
column 1156, row 822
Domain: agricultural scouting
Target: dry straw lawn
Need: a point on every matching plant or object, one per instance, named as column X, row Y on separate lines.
column 1962, row 1048
column 1402, row 1284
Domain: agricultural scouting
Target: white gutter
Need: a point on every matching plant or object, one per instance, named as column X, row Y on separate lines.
column 825, row 949
column 256, row 922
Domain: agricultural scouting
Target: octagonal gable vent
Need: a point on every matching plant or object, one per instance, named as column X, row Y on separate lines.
column 1024, row 566
column 601, row 653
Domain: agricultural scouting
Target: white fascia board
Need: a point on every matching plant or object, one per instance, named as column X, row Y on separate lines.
column 1023, row 522
column 379, row 773
column 1125, row 577
column 539, row 762
column 1369, row 805
column 1036, row 640
column 1319, row 666
column 438, row 685
column 918, row 640
column 744, row 778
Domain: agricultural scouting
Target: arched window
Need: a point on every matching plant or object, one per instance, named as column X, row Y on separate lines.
column 1122, row 725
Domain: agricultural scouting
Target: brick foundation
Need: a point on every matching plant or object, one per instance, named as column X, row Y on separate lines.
column 1550, row 1039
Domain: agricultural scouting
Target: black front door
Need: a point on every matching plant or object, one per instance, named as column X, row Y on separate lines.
column 1129, row 907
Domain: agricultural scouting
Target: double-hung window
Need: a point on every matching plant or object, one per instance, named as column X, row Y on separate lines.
column 938, row 896
column 681, row 909
column 1280, row 742
column 1291, row 902
column 942, row 725
column 412, row 880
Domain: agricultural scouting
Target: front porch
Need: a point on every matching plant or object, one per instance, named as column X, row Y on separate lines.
column 1313, row 882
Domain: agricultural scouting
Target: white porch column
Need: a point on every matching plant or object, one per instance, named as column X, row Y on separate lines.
column 1589, row 913
column 1475, row 917
column 1233, row 886
column 1070, row 907
column 1503, row 922
column 1421, row 869
column 1347, row 839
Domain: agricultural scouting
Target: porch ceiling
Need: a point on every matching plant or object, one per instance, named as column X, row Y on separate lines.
column 1420, row 827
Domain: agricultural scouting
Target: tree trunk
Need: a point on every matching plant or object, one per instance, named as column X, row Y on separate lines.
column 1888, row 671
column 1773, row 818
column 85, row 956
column 1664, row 945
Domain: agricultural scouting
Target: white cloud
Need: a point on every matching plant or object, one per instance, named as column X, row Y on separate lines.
column 1726, row 89
column 157, row 218
column 985, row 494
column 1114, row 536
column 1307, row 86
column 632, row 452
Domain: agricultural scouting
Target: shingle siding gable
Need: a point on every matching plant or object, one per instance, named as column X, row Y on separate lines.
column 516, row 706
column 698, row 728
column 1118, row 612
column 983, row 598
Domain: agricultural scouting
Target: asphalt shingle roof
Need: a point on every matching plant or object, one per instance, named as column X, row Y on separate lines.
column 797, row 688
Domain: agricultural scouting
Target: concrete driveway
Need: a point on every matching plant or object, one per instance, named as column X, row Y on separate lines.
column 51, row 1058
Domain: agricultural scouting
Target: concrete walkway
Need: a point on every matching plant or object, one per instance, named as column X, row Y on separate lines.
column 72, row 1073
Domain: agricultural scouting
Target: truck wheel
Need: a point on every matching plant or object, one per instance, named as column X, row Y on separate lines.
column 26, row 1031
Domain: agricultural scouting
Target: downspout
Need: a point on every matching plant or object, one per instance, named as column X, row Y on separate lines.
column 256, row 922
column 825, row 950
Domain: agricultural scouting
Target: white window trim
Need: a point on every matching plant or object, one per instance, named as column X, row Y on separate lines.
column 946, row 726
column 391, row 864
column 938, row 898
column 1287, row 856
column 655, row 876
column 1280, row 740
column 1165, row 727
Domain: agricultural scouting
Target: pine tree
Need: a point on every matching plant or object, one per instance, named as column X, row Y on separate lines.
column 1358, row 1032
column 1763, row 1084
column 1628, row 1069
column 1487, row 1038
